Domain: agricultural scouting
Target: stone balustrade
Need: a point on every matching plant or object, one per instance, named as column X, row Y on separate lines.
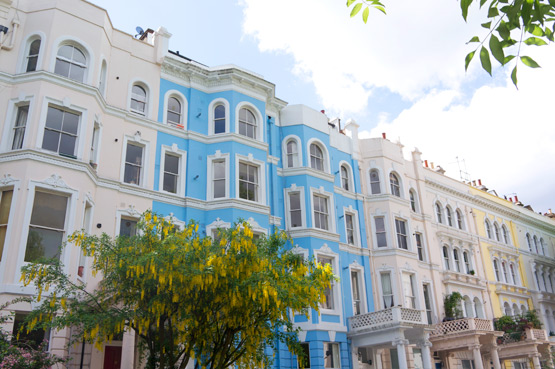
column 392, row 316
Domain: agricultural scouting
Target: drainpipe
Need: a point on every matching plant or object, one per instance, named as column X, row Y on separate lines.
column 271, row 175
column 15, row 26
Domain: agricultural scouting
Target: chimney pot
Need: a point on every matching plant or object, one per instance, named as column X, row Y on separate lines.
column 426, row 163
column 479, row 182
column 323, row 111
column 384, row 136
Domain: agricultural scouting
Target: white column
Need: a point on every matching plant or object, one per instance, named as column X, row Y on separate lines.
column 536, row 361
column 427, row 355
column 128, row 349
column 58, row 345
column 495, row 357
column 378, row 358
column 401, row 345
column 354, row 355
column 478, row 364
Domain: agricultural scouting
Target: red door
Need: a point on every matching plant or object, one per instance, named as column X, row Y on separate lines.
column 112, row 357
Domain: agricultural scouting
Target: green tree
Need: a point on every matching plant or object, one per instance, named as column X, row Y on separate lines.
column 510, row 25
column 220, row 301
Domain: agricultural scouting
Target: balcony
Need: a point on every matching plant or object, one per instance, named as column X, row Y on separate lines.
column 386, row 318
column 462, row 326
column 450, row 276
column 383, row 326
column 456, row 335
column 524, row 344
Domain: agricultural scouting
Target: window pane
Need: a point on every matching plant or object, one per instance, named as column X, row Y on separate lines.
column 54, row 118
column 219, row 126
column 295, row 207
column 50, row 140
column 43, row 243
column 67, row 145
column 170, row 183
column 380, row 232
column 70, row 122
column 174, row 105
column 219, row 169
column 219, row 188
column 128, row 227
column 132, row 174
column 5, row 205
column 219, row 112
column 78, row 56
column 32, row 63
column 77, row 73
column 62, row 68
column 66, row 51
column 34, row 48
column 33, row 338
column 134, row 154
column 171, row 164
column 49, row 210
column 174, row 117
column 20, row 124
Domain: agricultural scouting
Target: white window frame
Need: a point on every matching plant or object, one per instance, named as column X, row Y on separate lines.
column 250, row 160
column 211, row 107
column 325, row 153
column 260, row 122
column 87, row 226
column 287, row 192
column 326, row 252
column 148, row 99
column 398, row 177
column 57, row 187
column 407, row 235
column 368, row 178
column 218, row 223
column 447, row 261
column 356, row 226
column 459, row 217
column 422, row 248
column 184, row 108
column 130, row 213
column 488, row 229
column 332, row 344
column 11, row 184
column 449, row 216
column 103, row 76
column 11, row 119
column 331, row 206
column 81, row 45
column 217, row 156
column 356, row 267
column 414, row 298
column 413, row 198
column 138, row 141
column 96, row 141
column 386, row 227
column 24, row 51
column 181, row 176
column 350, row 179
column 438, row 211
column 393, row 282
column 65, row 105
column 297, row 160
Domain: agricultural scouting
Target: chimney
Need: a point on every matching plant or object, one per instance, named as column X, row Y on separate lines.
column 323, row 111
column 440, row 170
column 550, row 214
column 426, row 163
column 384, row 136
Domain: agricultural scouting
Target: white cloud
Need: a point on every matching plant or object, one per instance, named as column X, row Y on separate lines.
column 505, row 136
column 417, row 45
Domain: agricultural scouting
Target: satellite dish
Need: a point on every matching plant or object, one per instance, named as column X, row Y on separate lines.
column 139, row 30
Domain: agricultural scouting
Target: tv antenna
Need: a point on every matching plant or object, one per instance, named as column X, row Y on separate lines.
column 140, row 31
column 463, row 174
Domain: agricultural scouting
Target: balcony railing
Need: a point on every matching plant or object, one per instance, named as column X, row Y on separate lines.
column 462, row 325
column 392, row 316
column 528, row 335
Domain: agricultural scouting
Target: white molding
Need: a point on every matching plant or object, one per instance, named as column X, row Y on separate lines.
column 184, row 108
column 356, row 225
column 350, row 177
column 211, row 107
column 331, row 208
column 182, row 175
column 287, row 192
column 261, row 195
column 218, row 223
column 355, row 266
column 337, row 294
column 210, row 175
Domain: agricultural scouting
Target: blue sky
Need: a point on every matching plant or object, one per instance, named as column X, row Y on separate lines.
column 402, row 74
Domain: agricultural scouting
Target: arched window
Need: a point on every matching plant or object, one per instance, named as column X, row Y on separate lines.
column 174, row 111
column 496, row 270
column 247, row 123
column 466, row 260
column 536, row 244
column 507, row 308
column 412, row 195
column 457, row 260
column 523, row 309
column 478, row 308
column 449, row 216
column 316, row 157
column 468, row 308
column 292, row 154
column 488, row 229
column 439, row 212
column 375, row 182
column 515, row 310
column 395, row 186
column 345, row 178
column 446, row 258
column 219, row 119
column 513, row 274
column 542, row 244
column 505, row 233
column 33, row 56
column 138, row 99
column 71, row 62
column 497, row 233
column 459, row 216
column 529, row 241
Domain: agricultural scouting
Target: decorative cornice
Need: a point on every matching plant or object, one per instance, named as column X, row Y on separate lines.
column 7, row 179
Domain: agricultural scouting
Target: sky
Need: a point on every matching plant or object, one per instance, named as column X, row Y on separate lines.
column 401, row 74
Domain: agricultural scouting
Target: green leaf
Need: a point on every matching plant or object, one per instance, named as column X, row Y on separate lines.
column 513, row 77
column 535, row 30
column 356, row 9
column 496, row 49
column 482, row 2
column 486, row 25
column 529, row 62
column 484, row 59
column 549, row 34
column 535, row 41
column 474, row 39
column 380, row 8
column 350, row 2
column 468, row 59
column 493, row 12
column 525, row 12
column 504, row 31
column 464, row 7
column 365, row 14
column 508, row 58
